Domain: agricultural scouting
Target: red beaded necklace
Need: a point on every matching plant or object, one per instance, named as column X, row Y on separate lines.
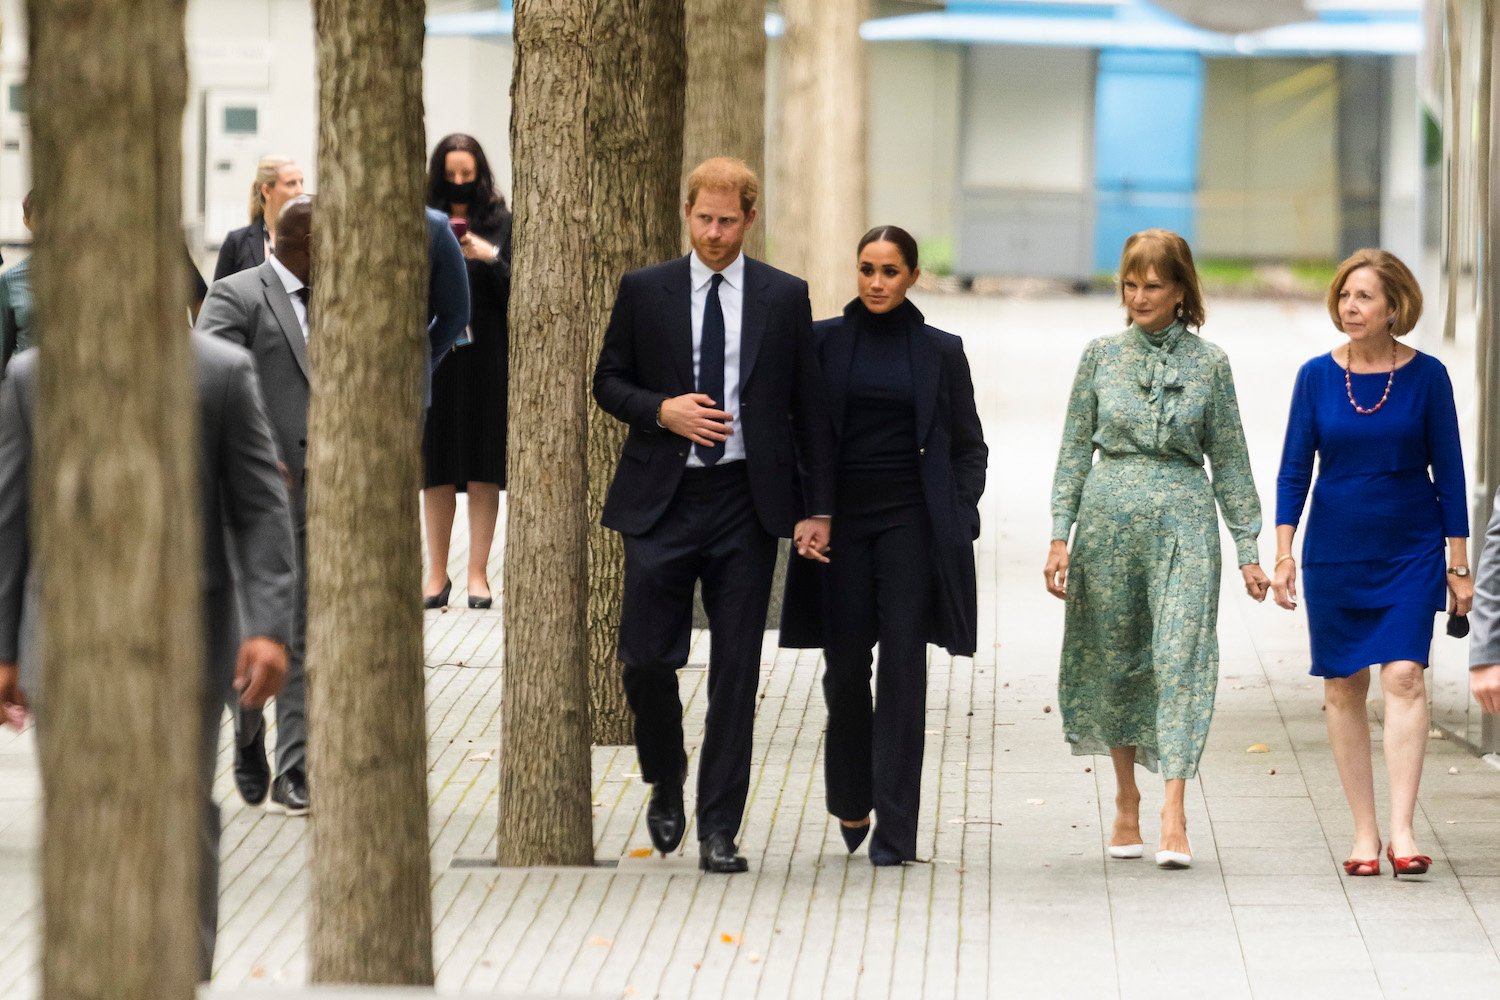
column 1349, row 385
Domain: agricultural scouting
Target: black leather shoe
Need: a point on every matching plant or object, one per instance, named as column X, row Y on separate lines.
column 252, row 774
column 438, row 600
column 716, row 853
column 289, row 794
column 481, row 603
column 665, row 818
column 884, row 857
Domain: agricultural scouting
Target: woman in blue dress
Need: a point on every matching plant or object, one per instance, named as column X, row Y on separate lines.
column 1380, row 419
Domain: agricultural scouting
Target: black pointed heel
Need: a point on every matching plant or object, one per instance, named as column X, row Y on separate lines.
column 854, row 835
column 480, row 603
column 438, row 600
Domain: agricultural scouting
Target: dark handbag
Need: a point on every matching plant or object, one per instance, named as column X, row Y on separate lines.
column 1458, row 625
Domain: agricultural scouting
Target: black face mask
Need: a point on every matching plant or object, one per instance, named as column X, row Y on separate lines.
column 459, row 194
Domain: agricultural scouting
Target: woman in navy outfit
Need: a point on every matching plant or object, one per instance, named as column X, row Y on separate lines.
column 1378, row 415
column 900, row 561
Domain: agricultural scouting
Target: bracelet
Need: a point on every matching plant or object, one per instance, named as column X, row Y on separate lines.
column 1281, row 559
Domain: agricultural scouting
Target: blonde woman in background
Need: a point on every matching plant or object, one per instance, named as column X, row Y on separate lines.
column 278, row 180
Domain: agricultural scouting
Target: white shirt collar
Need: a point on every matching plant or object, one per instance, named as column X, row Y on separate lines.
column 289, row 281
column 701, row 273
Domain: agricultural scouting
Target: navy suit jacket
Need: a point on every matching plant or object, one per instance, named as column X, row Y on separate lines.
column 648, row 357
column 242, row 249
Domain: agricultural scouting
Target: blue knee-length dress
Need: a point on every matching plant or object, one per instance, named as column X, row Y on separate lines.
column 1389, row 491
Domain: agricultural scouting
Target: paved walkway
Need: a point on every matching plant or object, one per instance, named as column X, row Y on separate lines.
column 1017, row 900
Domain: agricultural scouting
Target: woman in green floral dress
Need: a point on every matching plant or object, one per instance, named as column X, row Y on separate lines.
column 1140, row 654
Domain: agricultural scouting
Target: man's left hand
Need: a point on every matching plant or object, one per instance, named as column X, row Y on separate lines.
column 259, row 671
column 810, row 538
column 1485, row 683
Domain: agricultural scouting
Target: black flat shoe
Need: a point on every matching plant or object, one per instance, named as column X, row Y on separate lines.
column 854, row 835
column 665, row 817
column 252, row 773
column 717, row 854
column 438, row 600
column 480, row 603
column 884, row 857
column 289, row 794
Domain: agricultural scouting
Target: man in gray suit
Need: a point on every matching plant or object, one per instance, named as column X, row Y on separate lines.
column 245, row 516
column 1484, row 640
column 265, row 309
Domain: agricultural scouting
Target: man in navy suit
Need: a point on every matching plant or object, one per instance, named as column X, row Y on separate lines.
column 710, row 360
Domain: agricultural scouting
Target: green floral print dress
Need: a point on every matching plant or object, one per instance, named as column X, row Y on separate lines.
column 1140, row 654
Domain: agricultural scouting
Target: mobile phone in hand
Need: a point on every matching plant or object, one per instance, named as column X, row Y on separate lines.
column 460, row 227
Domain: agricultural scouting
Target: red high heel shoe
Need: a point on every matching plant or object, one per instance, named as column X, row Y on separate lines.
column 1416, row 864
column 1354, row 866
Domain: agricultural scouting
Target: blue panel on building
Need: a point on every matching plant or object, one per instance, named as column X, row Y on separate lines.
column 1148, row 120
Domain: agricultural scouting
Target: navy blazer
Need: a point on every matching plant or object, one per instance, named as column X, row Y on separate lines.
column 648, row 357
column 952, row 462
column 242, row 249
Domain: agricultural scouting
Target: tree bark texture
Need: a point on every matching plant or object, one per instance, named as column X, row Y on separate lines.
column 371, row 901
column 545, row 816
column 635, row 108
column 115, row 518
column 726, row 90
column 821, row 161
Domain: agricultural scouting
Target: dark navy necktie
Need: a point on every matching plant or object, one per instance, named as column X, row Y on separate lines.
column 305, row 294
column 711, row 363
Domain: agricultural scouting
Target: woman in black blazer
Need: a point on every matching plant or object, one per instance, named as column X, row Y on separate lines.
column 278, row 180
column 899, row 569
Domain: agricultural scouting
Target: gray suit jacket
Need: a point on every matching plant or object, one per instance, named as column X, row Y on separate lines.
column 245, row 515
column 252, row 309
column 1484, row 617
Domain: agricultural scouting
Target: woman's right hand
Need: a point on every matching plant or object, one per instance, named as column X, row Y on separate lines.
column 1284, row 583
column 1056, row 573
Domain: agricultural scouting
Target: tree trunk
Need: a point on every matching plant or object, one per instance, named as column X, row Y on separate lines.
column 371, row 902
column 726, row 91
column 1454, row 124
column 635, row 114
column 821, row 158
column 115, row 513
column 544, row 756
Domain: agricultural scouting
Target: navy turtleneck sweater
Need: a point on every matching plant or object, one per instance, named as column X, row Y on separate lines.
column 880, row 422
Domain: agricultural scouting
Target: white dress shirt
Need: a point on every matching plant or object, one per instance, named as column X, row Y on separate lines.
column 732, row 302
column 292, row 284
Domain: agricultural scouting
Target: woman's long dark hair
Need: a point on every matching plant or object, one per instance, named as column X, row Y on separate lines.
column 489, row 204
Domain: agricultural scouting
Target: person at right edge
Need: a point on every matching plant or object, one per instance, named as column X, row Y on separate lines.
column 1377, row 415
column 710, row 360
column 911, row 466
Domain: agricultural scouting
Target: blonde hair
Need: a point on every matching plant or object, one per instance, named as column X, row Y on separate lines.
column 725, row 173
column 266, row 172
column 1173, row 260
column 1402, row 293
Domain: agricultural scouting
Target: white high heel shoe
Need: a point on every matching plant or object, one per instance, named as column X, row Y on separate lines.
column 1123, row 851
column 1173, row 860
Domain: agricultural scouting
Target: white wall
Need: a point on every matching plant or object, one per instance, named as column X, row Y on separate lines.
column 913, row 137
column 1028, row 121
column 1400, row 198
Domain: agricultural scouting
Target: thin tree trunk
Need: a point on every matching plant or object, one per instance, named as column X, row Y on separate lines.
column 544, row 756
column 371, row 901
column 115, row 504
column 1454, row 123
column 821, row 159
column 635, row 114
column 726, row 90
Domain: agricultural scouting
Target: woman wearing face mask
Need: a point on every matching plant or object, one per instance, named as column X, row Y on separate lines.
column 463, row 443
column 1378, row 415
column 278, row 180
column 899, row 568
column 1140, row 656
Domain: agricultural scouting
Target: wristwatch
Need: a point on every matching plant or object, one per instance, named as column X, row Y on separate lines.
column 1459, row 570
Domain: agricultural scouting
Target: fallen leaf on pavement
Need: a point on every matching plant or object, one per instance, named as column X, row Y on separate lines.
column 1257, row 748
column 641, row 852
column 730, row 938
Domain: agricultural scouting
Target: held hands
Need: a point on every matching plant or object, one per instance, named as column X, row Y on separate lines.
column 1284, row 583
column 810, row 538
column 1485, row 682
column 259, row 671
column 478, row 248
column 1056, row 571
column 13, row 706
column 693, row 416
column 1256, row 581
